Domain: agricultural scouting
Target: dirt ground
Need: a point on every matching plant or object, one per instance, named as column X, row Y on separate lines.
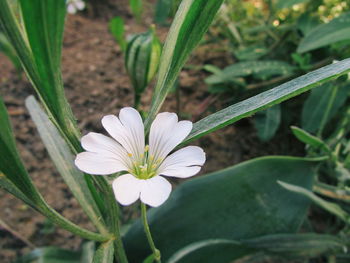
column 96, row 84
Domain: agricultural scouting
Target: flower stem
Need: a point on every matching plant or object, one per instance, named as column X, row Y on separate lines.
column 155, row 251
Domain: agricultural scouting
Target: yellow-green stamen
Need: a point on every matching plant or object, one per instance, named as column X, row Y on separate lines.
column 145, row 167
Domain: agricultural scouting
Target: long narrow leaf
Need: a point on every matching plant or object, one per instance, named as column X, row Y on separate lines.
column 10, row 162
column 63, row 159
column 13, row 169
column 40, row 54
column 191, row 22
column 104, row 253
column 7, row 49
column 211, row 250
column 322, row 105
column 297, row 245
column 325, row 34
column 330, row 207
column 38, row 46
column 7, row 185
column 267, row 99
column 309, row 139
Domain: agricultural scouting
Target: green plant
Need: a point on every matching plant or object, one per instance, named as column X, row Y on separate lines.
column 233, row 213
column 274, row 41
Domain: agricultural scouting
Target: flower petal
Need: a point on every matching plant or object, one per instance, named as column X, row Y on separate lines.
column 183, row 163
column 99, row 143
column 95, row 163
column 128, row 130
column 131, row 119
column 127, row 189
column 182, row 172
column 155, row 191
column 166, row 133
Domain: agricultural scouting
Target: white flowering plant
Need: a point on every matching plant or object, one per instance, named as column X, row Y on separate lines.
column 245, row 210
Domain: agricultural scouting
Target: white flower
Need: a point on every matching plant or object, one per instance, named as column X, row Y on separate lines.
column 74, row 5
column 128, row 152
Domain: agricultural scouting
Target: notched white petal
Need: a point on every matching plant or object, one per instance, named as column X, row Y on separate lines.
column 183, row 163
column 181, row 172
column 95, row 163
column 99, row 143
column 129, row 132
column 166, row 133
column 132, row 121
column 155, row 191
column 127, row 189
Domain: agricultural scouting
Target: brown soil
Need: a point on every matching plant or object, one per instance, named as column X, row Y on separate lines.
column 97, row 84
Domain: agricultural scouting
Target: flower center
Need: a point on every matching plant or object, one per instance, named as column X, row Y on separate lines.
column 145, row 167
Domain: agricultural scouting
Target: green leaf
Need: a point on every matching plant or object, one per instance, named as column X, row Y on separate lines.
column 163, row 9
column 322, row 104
column 328, row 206
column 212, row 68
column 263, row 69
column 7, row 185
column 323, row 35
column 267, row 122
column 241, row 202
column 297, row 245
column 87, row 252
column 289, row 3
column 7, row 49
column 211, row 250
column 149, row 259
column 307, row 22
column 116, row 26
column 11, row 164
column 64, row 161
column 38, row 46
column 20, row 183
column 266, row 99
column 37, row 41
column 253, row 52
column 58, row 255
column 284, row 245
column 191, row 21
column 342, row 173
column 44, row 23
column 51, row 255
column 136, row 8
column 104, row 253
column 309, row 139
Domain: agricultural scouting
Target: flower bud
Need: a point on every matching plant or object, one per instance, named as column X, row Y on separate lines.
column 142, row 59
